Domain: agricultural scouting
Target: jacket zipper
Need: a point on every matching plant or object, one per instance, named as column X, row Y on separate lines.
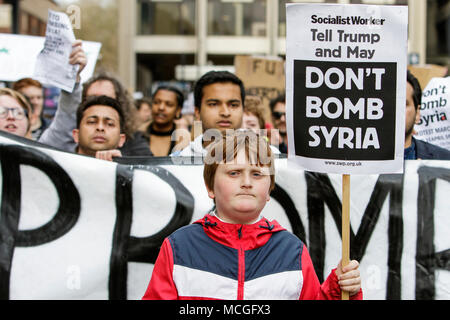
column 241, row 273
column 241, row 268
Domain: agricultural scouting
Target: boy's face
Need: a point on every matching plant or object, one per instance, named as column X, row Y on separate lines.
column 241, row 190
column 221, row 107
column 99, row 130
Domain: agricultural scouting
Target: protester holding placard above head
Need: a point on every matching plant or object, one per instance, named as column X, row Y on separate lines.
column 167, row 102
column 414, row 148
column 100, row 128
column 233, row 251
column 33, row 91
column 59, row 133
column 278, row 108
column 219, row 104
column 15, row 113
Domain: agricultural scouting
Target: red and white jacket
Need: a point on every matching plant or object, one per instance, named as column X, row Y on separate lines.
column 211, row 259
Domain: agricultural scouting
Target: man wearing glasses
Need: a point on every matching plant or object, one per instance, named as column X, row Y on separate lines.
column 278, row 108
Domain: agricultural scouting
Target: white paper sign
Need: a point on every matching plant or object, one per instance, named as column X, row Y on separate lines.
column 18, row 54
column 345, row 92
column 434, row 125
column 52, row 65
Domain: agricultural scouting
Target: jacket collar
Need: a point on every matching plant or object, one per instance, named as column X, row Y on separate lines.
column 239, row 236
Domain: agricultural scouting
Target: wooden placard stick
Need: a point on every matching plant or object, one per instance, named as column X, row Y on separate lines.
column 345, row 225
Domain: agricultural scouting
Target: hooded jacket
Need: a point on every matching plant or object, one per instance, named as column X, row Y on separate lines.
column 211, row 259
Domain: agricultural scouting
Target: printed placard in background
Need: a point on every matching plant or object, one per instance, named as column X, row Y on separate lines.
column 345, row 92
column 434, row 124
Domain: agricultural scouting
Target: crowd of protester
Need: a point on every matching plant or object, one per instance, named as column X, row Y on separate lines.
column 156, row 125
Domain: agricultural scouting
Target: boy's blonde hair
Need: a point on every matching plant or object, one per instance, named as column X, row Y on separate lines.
column 225, row 150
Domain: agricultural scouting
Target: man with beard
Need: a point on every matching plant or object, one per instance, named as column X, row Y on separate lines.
column 417, row 149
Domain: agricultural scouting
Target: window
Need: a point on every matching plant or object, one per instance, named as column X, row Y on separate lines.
column 237, row 17
column 166, row 17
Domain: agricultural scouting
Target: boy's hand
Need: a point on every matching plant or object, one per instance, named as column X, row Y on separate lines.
column 348, row 277
column 108, row 154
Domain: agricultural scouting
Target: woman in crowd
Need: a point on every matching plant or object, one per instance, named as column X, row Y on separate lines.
column 15, row 113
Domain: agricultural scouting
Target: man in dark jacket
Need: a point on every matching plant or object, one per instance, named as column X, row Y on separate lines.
column 417, row 149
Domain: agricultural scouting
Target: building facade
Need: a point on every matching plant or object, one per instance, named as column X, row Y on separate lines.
column 164, row 40
column 25, row 16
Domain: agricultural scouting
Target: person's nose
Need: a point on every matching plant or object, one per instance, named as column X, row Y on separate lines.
column 10, row 115
column 224, row 110
column 100, row 126
column 246, row 181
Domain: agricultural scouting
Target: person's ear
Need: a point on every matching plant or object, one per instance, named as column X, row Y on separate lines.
column 418, row 115
column 210, row 193
column 122, row 140
column 75, row 135
column 197, row 113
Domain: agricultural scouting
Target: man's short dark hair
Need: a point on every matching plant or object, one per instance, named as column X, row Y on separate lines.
column 100, row 101
column 178, row 94
column 212, row 77
column 281, row 98
column 417, row 93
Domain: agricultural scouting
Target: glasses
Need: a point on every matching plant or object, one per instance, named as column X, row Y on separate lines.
column 277, row 115
column 17, row 113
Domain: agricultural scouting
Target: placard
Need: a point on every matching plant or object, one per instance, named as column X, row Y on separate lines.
column 263, row 77
column 18, row 55
column 434, row 124
column 345, row 92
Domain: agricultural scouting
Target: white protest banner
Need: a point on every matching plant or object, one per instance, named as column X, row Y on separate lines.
column 52, row 65
column 18, row 55
column 345, row 92
column 74, row 227
column 434, row 124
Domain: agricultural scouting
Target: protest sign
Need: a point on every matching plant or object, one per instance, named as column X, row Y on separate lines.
column 345, row 92
column 424, row 73
column 263, row 77
column 18, row 55
column 52, row 65
column 434, row 124
column 75, row 227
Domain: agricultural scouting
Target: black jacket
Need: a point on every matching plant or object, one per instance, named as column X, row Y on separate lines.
column 428, row 151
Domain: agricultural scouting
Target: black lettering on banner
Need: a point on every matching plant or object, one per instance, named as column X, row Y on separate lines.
column 321, row 192
column 280, row 195
column 127, row 248
column 427, row 259
column 65, row 218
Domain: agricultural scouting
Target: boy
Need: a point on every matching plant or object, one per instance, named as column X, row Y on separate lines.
column 233, row 252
